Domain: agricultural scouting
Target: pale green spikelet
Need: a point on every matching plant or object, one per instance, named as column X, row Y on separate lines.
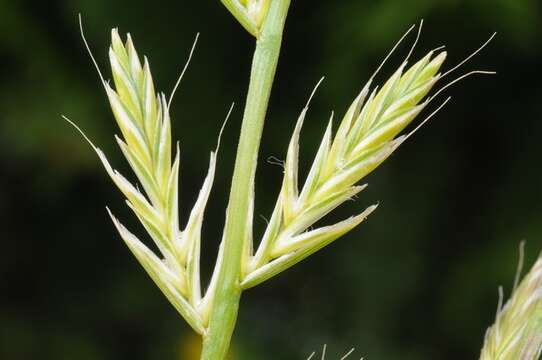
column 517, row 332
column 366, row 136
column 249, row 13
column 144, row 121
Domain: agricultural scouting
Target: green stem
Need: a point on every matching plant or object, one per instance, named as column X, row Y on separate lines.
column 223, row 315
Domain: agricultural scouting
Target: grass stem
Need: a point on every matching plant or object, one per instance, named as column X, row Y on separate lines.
column 228, row 292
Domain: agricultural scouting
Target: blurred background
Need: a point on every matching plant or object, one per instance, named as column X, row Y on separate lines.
column 418, row 280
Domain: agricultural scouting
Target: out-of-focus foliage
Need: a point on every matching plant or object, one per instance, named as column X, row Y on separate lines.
column 417, row 281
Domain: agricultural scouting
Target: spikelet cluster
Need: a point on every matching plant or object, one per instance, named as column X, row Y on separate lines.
column 366, row 136
column 249, row 13
column 143, row 118
column 517, row 332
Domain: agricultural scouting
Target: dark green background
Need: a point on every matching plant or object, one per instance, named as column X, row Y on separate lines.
column 418, row 280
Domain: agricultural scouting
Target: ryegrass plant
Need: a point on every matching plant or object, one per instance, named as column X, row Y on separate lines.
column 367, row 135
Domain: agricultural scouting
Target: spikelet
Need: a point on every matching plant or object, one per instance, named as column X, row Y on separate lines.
column 517, row 332
column 364, row 139
column 143, row 119
column 249, row 13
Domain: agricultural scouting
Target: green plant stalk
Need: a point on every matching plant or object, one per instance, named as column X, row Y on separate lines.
column 222, row 320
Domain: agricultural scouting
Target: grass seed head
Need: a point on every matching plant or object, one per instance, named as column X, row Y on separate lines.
column 143, row 119
column 517, row 332
column 366, row 136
